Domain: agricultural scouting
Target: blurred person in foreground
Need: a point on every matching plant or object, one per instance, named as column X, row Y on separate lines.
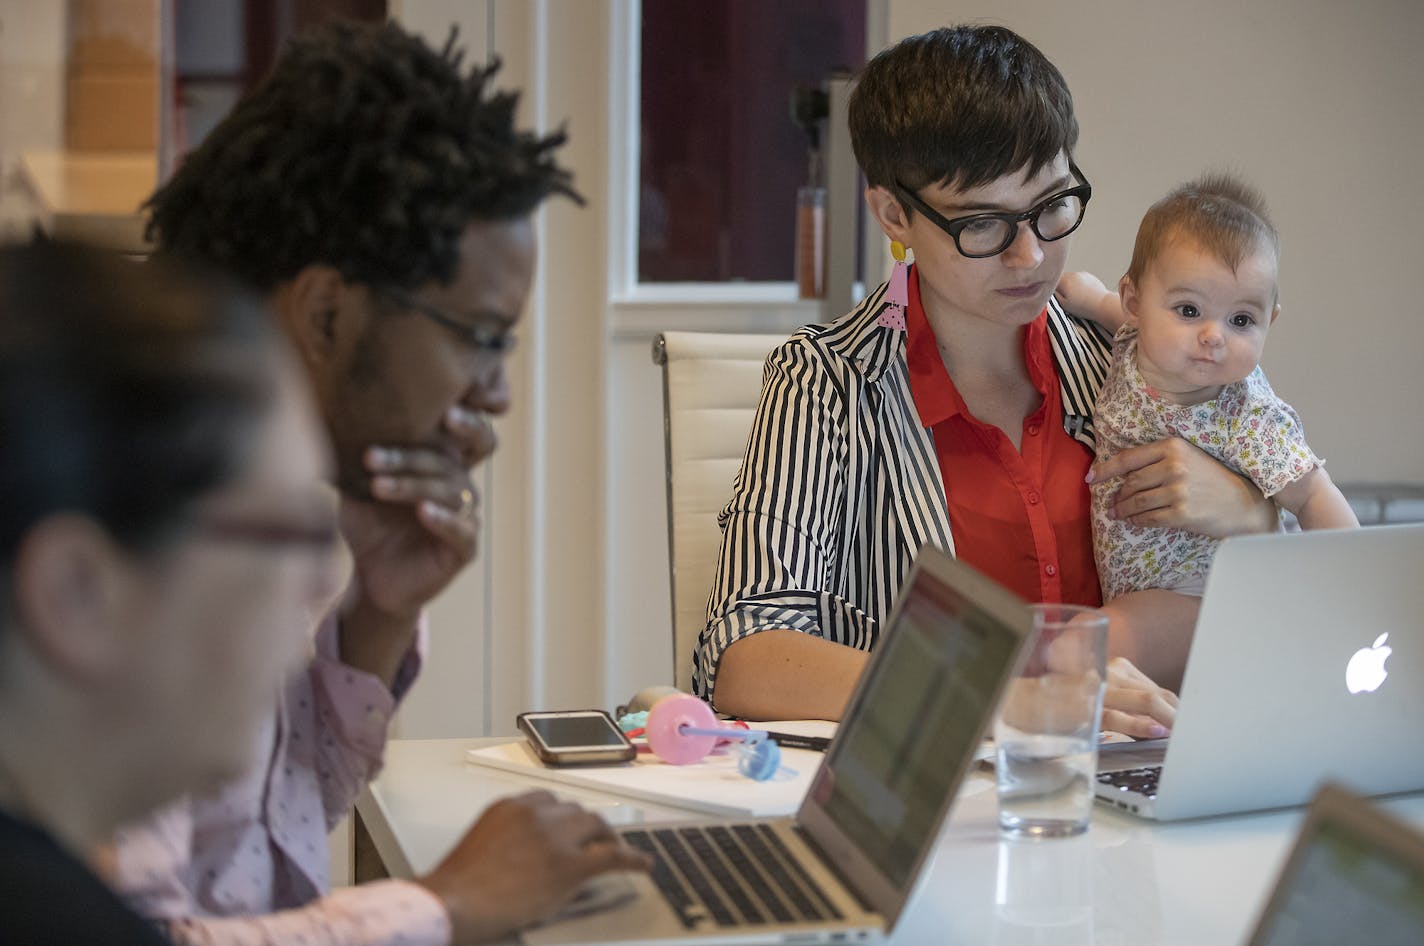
column 164, row 543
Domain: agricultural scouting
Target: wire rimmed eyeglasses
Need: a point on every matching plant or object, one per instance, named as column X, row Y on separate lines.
column 482, row 338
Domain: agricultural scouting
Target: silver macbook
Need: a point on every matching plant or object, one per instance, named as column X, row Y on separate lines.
column 1355, row 875
column 1307, row 664
column 843, row 868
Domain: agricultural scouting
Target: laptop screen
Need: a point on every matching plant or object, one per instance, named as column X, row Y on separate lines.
column 916, row 719
column 1347, row 888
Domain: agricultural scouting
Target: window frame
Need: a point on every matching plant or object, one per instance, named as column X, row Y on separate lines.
column 640, row 307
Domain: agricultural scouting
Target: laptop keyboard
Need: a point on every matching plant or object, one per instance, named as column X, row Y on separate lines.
column 1143, row 781
column 732, row 875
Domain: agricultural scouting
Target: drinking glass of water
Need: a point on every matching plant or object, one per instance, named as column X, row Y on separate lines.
column 1046, row 730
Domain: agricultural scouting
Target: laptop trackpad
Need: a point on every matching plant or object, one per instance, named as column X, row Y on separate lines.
column 1116, row 756
column 603, row 892
column 617, row 907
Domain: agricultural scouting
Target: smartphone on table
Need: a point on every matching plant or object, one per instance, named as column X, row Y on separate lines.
column 576, row 737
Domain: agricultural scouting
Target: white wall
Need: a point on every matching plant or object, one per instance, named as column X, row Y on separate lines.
column 525, row 626
column 1321, row 105
column 455, row 694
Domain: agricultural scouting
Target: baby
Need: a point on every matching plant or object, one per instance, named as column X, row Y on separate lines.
column 1190, row 324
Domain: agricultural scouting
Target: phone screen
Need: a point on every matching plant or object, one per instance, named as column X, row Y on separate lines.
column 561, row 732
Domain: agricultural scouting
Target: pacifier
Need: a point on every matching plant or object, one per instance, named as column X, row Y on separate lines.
column 681, row 730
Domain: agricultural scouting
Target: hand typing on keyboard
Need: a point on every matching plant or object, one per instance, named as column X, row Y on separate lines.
column 525, row 858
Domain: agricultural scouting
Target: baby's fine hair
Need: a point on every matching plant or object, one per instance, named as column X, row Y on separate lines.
column 1219, row 211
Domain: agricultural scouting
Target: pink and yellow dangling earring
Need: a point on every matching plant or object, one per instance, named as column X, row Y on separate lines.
column 897, row 294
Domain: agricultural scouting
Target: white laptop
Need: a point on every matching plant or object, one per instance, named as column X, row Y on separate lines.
column 1307, row 664
column 1354, row 875
column 843, row 868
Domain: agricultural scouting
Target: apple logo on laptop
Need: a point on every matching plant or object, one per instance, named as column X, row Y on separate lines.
column 1365, row 671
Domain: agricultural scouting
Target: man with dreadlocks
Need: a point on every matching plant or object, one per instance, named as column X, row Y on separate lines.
column 381, row 200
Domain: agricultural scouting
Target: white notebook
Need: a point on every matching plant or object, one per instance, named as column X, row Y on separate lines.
column 713, row 785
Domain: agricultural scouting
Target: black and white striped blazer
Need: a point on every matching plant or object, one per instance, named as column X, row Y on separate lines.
column 840, row 484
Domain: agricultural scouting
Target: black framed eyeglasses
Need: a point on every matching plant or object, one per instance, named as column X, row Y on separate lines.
column 482, row 338
column 988, row 234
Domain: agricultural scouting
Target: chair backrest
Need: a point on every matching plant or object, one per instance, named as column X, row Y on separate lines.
column 711, row 385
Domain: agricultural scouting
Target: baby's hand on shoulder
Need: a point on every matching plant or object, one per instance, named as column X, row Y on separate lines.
column 1084, row 295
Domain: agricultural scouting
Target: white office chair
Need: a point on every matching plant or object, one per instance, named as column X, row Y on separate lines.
column 711, row 385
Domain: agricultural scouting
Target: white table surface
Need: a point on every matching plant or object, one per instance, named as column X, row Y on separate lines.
column 1126, row 882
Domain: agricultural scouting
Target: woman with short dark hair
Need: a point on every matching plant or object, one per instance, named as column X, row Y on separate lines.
column 951, row 407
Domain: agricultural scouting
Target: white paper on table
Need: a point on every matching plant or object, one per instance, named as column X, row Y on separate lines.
column 713, row 785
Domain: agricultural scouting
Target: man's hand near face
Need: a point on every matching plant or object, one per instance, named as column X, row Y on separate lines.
column 409, row 540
